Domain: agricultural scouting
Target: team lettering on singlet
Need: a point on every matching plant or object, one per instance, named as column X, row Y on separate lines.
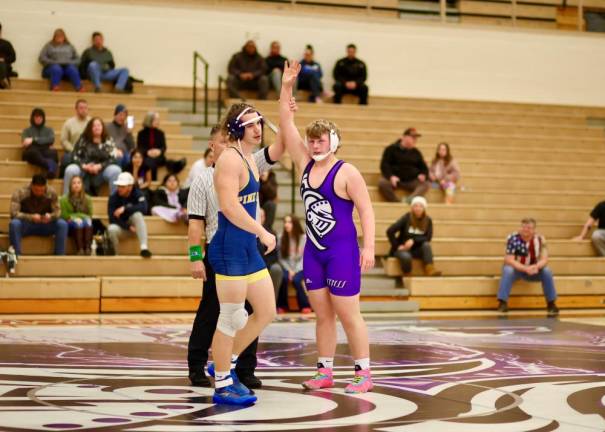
column 335, row 283
column 248, row 198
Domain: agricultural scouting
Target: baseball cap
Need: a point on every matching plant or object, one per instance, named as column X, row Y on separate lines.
column 119, row 108
column 124, row 179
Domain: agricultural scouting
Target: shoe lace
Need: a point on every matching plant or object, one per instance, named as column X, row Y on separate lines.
column 319, row 375
column 358, row 379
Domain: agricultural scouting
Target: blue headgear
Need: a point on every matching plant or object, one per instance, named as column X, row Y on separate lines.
column 237, row 127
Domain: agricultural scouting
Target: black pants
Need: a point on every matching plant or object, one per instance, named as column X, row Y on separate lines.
column 235, row 84
column 204, row 326
column 423, row 252
column 44, row 157
column 361, row 91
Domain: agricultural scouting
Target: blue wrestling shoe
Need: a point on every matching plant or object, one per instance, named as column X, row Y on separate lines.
column 229, row 396
column 238, row 387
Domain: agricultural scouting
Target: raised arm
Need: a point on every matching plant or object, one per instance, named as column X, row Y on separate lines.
column 227, row 188
column 358, row 192
column 292, row 139
column 276, row 150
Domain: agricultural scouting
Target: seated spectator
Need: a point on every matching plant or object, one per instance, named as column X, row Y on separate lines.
column 141, row 173
column 247, row 70
column 93, row 159
column 97, row 63
column 72, row 129
column 37, row 141
column 268, row 196
column 291, row 249
column 445, row 172
column 7, row 58
column 170, row 201
column 200, row 165
column 151, row 141
column 271, row 259
column 310, row 75
column 126, row 207
column 275, row 65
column 526, row 258
column 350, row 75
column 35, row 212
column 60, row 59
column 402, row 166
column 76, row 210
column 597, row 217
column 410, row 237
column 121, row 133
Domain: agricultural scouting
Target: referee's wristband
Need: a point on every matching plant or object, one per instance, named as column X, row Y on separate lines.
column 195, row 253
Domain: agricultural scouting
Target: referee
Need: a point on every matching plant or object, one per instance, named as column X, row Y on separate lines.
column 202, row 207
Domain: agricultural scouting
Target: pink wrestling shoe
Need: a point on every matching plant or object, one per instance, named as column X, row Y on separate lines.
column 322, row 379
column 362, row 383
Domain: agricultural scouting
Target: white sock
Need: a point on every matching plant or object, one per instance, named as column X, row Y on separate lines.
column 233, row 360
column 362, row 364
column 143, row 246
column 222, row 379
column 325, row 362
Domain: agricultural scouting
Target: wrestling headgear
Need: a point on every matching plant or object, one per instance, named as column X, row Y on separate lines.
column 237, row 127
column 334, row 143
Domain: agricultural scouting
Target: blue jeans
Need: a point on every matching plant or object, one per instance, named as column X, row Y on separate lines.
column 19, row 228
column 56, row 72
column 110, row 174
column 510, row 275
column 301, row 295
column 310, row 82
column 96, row 75
column 86, row 223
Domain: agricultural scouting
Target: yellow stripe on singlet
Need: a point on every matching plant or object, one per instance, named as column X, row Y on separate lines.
column 251, row 278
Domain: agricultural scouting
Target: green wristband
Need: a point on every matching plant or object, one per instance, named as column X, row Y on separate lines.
column 195, row 253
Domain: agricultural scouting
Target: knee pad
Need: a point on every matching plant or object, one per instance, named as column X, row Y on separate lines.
column 233, row 317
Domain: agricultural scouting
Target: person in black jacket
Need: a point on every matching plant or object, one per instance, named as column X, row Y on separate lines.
column 410, row 237
column 125, row 208
column 7, row 58
column 403, row 166
column 350, row 75
column 151, row 141
column 247, row 70
column 37, row 141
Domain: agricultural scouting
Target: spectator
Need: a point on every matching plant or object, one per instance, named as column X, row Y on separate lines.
column 97, row 63
column 37, row 141
column 76, row 210
column 526, row 258
column 445, row 171
column 201, row 164
column 93, row 159
column 310, row 75
column 35, row 211
column 350, row 75
column 141, row 173
column 59, row 59
column 7, row 58
column 410, row 237
column 151, row 141
column 170, row 201
column 247, row 70
column 291, row 249
column 72, row 130
column 275, row 65
column 402, row 166
column 126, row 207
column 121, row 133
column 271, row 259
column 268, row 197
column 597, row 217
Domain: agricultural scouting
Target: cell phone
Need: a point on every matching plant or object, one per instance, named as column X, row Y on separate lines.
column 130, row 122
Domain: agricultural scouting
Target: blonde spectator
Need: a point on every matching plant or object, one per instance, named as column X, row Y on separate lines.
column 445, row 172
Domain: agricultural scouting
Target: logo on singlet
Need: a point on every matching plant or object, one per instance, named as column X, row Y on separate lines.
column 320, row 220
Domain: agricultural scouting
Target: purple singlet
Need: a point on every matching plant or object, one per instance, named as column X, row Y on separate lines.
column 331, row 257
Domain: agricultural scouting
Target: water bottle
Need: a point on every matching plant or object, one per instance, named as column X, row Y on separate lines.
column 93, row 247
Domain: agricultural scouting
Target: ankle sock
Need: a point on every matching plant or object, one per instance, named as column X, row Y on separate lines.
column 325, row 362
column 362, row 364
column 222, row 379
column 234, row 360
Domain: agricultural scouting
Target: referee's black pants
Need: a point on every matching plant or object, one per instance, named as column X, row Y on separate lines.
column 204, row 326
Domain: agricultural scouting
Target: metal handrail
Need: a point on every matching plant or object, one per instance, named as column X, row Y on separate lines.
column 219, row 101
column 197, row 56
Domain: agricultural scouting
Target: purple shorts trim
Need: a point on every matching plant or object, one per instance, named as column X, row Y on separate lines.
column 340, row 273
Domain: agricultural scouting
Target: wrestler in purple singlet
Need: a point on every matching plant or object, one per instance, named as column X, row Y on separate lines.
column 331, row 257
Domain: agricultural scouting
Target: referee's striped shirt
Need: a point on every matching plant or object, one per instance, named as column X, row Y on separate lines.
column 202, row 203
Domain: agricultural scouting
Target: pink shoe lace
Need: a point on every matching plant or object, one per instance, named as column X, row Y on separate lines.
column 362, row 382
column 321, row 379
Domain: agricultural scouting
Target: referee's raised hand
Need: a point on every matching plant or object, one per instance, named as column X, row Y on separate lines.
column 198, row 271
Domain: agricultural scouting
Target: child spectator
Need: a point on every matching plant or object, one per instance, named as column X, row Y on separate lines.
column 445, row 172
column 37, row 141
column 410, row 237
column 7, row 58
column 291, row 249
column 170, row 201
column 268, row 196
column 310, row 75
column 126, row 207
column 93, row 159
column 97, row 63
column 140, row 173
column 60, row 59
column 76, row 210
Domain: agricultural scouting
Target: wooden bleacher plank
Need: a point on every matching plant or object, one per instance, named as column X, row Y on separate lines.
column 66, row 111
column 42, row 97
column 141, row 287
column 491, row 303
column 50, row 288
column 154, row 304
column 63, row 306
